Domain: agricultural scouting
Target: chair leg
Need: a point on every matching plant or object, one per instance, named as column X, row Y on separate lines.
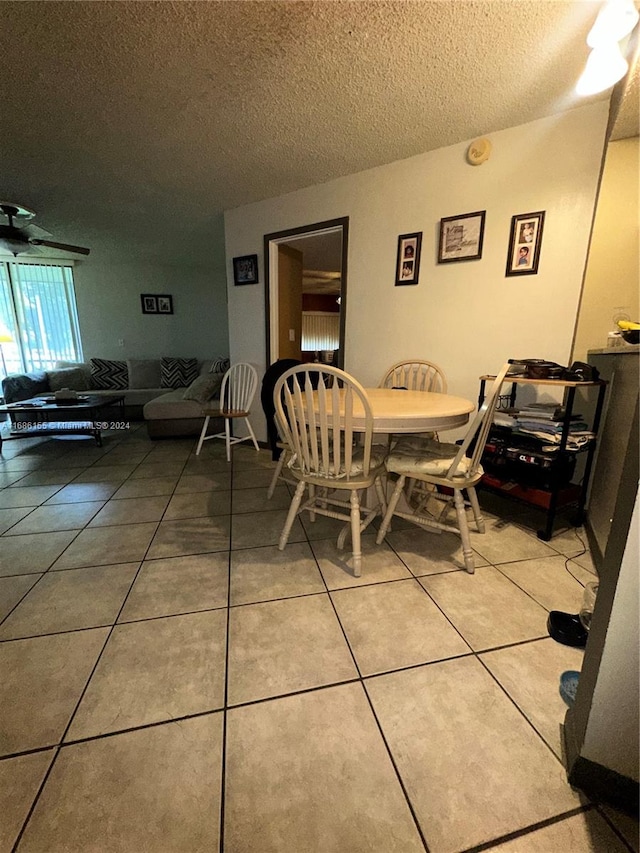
column 291, row 517
column 382, row 500
column 354, row 500
column 202, row 435
column 227, row 433
column 276, row 476
column 386, row 521
column 475, row 506
column 467, row 553
column 252, row 434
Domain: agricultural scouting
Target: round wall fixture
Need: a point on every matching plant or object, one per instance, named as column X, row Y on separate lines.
column 479, row 152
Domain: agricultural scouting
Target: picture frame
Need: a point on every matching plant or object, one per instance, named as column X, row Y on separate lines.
column 245, row 270
column 165, row 303
column 149, row 303
column 525, row 242
column 408, row 258
column 461, row 237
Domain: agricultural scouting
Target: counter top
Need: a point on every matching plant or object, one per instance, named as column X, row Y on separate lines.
column 627, row 349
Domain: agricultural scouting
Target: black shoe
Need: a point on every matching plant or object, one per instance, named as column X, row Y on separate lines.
column 566, row 628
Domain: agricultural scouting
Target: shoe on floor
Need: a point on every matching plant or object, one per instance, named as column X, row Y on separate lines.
column 566, row 628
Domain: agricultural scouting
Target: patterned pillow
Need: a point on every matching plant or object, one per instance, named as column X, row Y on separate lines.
column 203, row 388
column 220, row 364
column 109, row 375
column 178, row 372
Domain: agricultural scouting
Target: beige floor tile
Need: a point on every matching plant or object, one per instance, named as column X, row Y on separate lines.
column 254, row 478
column 626, row 825
column 153, row 671
column 283, row 646
column 154, row 470
column 146, row 487
column 22, row 462
column 473, row 768
column 395, row 625
column 486, row 608
column 263, row 574
column 586, row 561
column 157, row 789
column 429, row 553
column 321, row 754
column 53, row 477
column 9, row 517
column 178, row 585
column 102, row 546
column 205, row 465
column 20, row 779
column 570, row 542
column 530, row 673
column 190, row 536
column 250, row 530
column 53, row 517
column 83, row 492
column 16, row 496
column 68, row 601
column 245, row 458
column 507, row 543
column 549, row 583
column 105, row 474
column 25, row 555
column 43, row 679
column 583, row 833
column 198, row 505
column 121, row 456
column 255, row 500
column 204, row 482
column 8, row 478
column 131, row 511
column 12, row 589
column 379, row 563
column 324, row 527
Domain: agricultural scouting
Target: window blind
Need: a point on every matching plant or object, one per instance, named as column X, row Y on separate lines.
column 320, row 330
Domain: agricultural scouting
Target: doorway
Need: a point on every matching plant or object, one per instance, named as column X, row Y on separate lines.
column 306, row 292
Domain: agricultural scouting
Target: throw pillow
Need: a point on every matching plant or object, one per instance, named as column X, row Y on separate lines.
column 204, row 388
column 144, row 372
column 178, row 372
column 109, row 375
column 220, row 364
column 68, row 377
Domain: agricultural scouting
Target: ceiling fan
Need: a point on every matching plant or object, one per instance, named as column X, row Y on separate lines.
column 19, row 238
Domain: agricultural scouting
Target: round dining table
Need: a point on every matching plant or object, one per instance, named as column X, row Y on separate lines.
column 398, row 411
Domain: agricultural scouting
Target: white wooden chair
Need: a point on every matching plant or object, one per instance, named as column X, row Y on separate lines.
column 445, row 465
column 314, row 413
column 236, row 396
column 416, row 375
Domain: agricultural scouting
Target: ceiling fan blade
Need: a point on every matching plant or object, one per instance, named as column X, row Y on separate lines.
column 35, row 231
column 80, row 250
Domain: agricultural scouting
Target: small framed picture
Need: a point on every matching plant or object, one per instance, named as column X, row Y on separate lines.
column 525, row 241
column 408, row 259
column 245, row 269
column 461, row 237
column 149, row 303
column 165, row 304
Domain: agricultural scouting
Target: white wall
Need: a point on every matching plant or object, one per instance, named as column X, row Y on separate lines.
column 468, row 317
column 611, row 737
column 109, row 309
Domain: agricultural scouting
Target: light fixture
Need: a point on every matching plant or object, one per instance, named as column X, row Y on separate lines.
column 605, row 66
column 5, row 338
column 615, row 20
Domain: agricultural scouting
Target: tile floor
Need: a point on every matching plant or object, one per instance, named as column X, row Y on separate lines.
column 172, row 682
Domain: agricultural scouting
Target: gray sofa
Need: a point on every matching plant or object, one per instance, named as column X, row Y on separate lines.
column 167, row 410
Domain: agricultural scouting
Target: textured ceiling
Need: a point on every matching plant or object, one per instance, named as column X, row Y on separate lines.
column 131, row 126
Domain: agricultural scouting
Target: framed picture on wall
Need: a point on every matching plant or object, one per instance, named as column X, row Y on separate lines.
column 461, row 237
column 525, row 241
column 149, row 303
column 245, row 269
column 165, row 304
column 408, row 258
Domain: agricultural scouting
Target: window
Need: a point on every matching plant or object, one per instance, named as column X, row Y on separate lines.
column 38, row 310
column 320, row 330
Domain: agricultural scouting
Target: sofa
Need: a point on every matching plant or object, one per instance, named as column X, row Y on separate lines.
column 168, row 392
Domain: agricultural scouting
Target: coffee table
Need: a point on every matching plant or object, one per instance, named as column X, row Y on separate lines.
column 45, row 416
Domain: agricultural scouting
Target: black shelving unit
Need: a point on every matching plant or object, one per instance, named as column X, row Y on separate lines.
column 549, row 485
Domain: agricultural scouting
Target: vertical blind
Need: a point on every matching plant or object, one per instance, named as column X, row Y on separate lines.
column 38, row 307
column 320, row 330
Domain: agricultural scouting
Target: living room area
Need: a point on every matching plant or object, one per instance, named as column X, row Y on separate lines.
column 171, row 679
